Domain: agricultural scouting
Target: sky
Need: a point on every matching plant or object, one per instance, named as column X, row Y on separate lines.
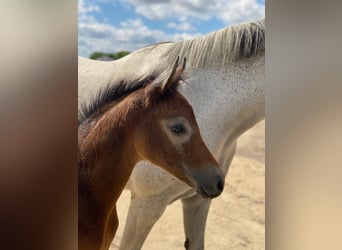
column 115, row 25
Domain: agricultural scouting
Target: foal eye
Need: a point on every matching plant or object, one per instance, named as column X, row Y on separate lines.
column 178, row 129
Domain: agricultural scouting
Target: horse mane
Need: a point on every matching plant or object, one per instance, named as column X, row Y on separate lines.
column 109, row 94
column 222, row 46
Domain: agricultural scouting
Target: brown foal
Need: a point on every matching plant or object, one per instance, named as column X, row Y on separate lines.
column 149, row 121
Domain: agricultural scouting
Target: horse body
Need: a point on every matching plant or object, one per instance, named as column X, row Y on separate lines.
column 226, row 90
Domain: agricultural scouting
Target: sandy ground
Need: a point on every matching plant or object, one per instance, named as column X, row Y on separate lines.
column 236, row 219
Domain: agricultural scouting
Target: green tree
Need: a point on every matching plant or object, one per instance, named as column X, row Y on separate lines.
column 96, row 55
column 121, row 54
column 118, row 55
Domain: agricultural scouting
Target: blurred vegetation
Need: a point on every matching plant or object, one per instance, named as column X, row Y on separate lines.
column 115, row 56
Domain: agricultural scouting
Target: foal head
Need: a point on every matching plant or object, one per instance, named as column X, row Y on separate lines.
column 168, row 136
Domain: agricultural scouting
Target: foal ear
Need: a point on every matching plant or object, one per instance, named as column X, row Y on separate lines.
column 176, row 75
column 171, row 82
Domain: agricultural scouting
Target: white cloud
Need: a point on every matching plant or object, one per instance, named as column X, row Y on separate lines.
column 160, row 9
column 240, row 11
column 183, row 26
column 133, row 34
column 228, row 11
column 136, row 23
column 85, row 7
column 130, row 35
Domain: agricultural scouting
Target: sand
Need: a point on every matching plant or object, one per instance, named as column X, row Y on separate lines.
column 236, row 218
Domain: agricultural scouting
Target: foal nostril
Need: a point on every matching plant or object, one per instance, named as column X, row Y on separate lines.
column 220, row 185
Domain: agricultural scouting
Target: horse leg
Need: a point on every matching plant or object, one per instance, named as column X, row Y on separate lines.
column 142, row 215
column 195, row 208
column 195, row 212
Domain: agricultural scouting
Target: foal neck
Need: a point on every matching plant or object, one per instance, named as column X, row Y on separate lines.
column 107, row 156
column 107, row 152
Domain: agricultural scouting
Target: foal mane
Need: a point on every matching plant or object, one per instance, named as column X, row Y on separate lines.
column 220, row 47
column 109, row 94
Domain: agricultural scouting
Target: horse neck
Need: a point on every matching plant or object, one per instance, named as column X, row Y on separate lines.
column 107, row 152
column 232, row 96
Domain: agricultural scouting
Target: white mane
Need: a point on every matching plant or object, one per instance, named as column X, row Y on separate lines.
column 220, row 47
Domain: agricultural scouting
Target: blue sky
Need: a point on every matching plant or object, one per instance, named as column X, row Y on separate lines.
column 115, row 25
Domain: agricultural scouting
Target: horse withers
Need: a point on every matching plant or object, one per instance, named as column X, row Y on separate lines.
column 127, row 123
